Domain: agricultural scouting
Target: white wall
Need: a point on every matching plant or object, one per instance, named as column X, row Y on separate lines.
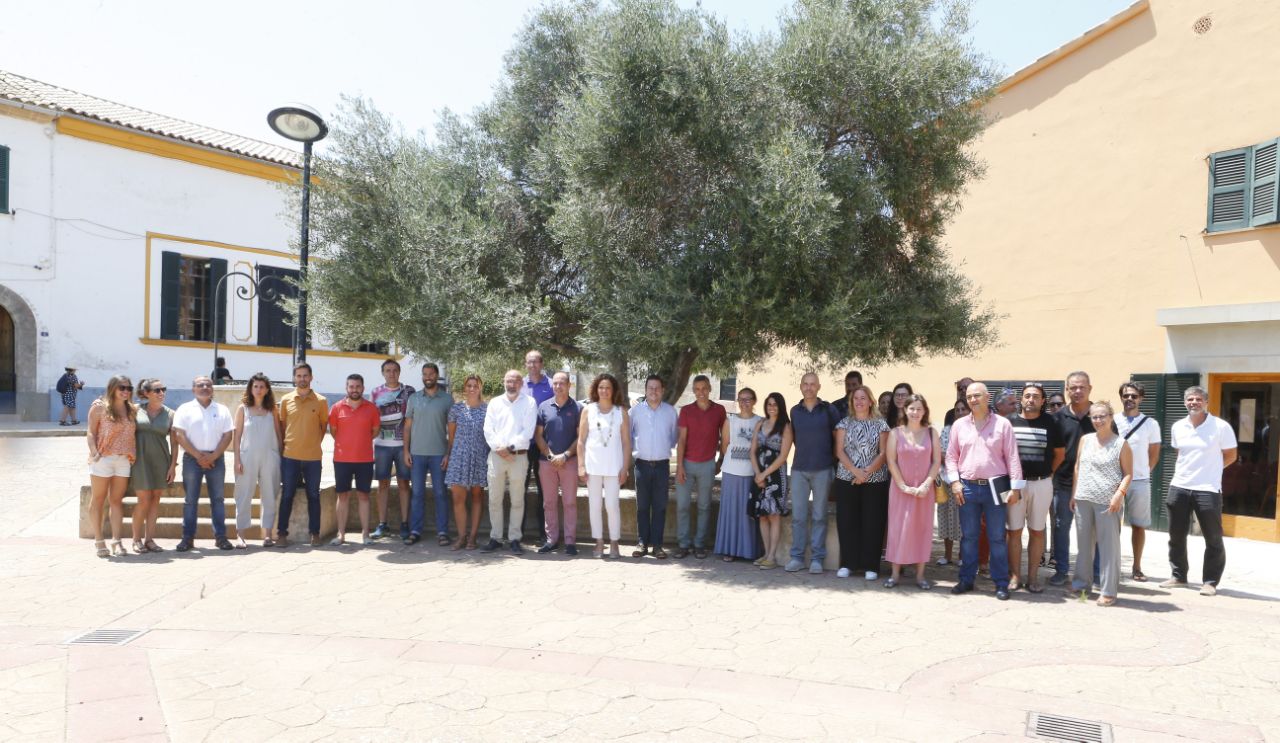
column 84, row 272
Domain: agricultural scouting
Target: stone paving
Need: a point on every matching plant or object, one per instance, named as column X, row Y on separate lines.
column 396, row 643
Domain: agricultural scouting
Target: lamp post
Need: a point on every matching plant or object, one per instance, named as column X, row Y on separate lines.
column 253, row 289
column 301, row 124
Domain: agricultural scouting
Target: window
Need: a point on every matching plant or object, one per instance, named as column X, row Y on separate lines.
column 728, row 388
column 4, row 180
column 187, row 286
column 1242, row 188
column 382, row 348
column 274, row 328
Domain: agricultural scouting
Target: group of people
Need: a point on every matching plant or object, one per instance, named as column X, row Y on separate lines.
column 989, row 473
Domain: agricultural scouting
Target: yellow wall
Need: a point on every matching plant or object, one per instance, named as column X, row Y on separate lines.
column 1091, row 212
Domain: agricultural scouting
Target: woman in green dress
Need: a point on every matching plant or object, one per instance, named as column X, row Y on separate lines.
column 157, row 461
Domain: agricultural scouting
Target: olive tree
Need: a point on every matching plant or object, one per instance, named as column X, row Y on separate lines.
column 649, row 190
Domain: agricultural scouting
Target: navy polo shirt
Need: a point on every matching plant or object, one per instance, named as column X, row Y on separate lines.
column 559, row 424
column 812, row 431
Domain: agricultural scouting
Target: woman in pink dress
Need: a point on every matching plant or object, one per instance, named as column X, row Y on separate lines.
column 914, row 458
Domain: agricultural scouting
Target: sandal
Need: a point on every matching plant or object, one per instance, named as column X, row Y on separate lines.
column 471, row 544
column 1106, row 601
column 598, row 551
column 1013, row 583
column 461, row 544
column 890, row 583
column 924, row 585
column 117, row 549
column 1139, row 576
column 1035, row 588
column 443, row 540
column 139, row 547
column 153, row 547
column 101, row 547
column 727, row 558
column 268, row 542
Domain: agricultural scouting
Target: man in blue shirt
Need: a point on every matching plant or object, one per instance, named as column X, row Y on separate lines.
column 555, row 439
column 813, row 423
column 654, row 432
column 537, row 386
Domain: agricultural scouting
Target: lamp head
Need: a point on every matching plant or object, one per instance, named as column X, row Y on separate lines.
column 298, row 122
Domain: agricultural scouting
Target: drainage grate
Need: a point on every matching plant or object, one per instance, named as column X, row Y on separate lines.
column 1057, row 727
column 106, row 637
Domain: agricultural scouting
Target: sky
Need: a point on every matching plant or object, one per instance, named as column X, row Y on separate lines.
column 226, row 64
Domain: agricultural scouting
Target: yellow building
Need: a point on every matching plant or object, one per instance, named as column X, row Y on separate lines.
column 1127, row 225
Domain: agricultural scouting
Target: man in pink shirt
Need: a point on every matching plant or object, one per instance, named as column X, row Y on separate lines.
column 985, row 474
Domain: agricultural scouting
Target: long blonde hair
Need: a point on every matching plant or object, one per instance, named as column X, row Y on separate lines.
column 109, row 397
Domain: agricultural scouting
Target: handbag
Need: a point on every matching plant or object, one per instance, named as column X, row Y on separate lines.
column 940, row 494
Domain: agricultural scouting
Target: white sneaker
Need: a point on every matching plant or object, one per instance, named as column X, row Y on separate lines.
column 842, row 573
column 871, row 575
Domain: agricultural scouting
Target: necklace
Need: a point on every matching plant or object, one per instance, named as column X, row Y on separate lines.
column 606, row 434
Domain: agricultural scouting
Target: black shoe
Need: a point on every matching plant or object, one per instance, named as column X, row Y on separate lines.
column 548, row 547
column 700, row 553
column 223, row 543
column 960, row 588
column 184, row 545
column 380, row 531
column 571, row 550
column 490, row 546
column 1002, row 594
column 515, row 547
column 412, row 539
column 404, row 529
column 680, row 553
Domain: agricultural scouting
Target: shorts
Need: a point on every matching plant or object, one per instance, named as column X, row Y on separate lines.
column 387, row 458
column 114, row 465
column 1032, row 509
column 1137, row 504
column 345, row 472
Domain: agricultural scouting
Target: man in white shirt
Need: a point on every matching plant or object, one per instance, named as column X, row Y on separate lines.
column 203, row 430
column 1206, row 445
column 1143, row 434
column 509, row 423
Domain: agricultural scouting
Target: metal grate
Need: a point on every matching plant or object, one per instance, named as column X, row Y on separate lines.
column 1057, row 727
column 106, row 637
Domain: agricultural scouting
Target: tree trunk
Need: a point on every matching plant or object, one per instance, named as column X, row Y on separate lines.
column 618, row 368
column 677, row 373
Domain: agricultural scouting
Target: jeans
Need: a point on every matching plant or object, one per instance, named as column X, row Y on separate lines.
column 1062, row 516
column 214, row 480
column 809, row 519
column 862, row 514
column 699, row 475
column 422, row 464
column 292, row 470
column 978, row 503
column 652, row 480
column 1208, row 509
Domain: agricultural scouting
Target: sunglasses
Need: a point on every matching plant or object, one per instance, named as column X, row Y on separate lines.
column 124, row 388
column 1131, row 396
column 1056, row 404
column 202, row 385
column 161, row 390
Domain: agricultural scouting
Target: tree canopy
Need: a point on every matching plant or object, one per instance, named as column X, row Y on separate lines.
column 647, row 188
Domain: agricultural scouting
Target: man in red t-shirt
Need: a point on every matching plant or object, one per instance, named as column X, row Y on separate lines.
column 698, row 457
column 353, row 424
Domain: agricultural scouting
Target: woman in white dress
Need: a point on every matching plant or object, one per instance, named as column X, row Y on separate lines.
column 604, row 458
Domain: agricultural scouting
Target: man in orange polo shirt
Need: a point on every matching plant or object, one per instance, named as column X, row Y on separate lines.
column 353, row 424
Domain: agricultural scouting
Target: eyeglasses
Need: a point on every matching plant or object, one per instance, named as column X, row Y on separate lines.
column 746, row 399
column 202, row 385
column 1099, row 417
column 1131, row 396
column 124, row 388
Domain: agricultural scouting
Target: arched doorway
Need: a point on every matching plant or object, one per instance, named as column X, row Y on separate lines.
column 8, row 365
column 18, row 392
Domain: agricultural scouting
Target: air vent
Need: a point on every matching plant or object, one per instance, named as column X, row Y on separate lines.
column 106, row 637
column 1202, row 25
column 1056, row 727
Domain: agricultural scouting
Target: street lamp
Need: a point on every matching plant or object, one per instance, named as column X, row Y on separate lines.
column 301, row 124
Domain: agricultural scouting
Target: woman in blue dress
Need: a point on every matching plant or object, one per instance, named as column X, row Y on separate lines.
column 467, row 463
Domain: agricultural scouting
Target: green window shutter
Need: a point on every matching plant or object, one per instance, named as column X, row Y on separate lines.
column 169, row 291
column 4, row 180
column 218, row 269
column 1263, row 199
column 1229, row 189
column 1163, row 402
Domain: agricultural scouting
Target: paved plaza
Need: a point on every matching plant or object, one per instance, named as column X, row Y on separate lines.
column 397, row 643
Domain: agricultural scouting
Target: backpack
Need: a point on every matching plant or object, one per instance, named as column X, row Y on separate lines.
column 63, row 384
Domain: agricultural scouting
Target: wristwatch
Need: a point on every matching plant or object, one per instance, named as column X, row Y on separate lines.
column 511, row 448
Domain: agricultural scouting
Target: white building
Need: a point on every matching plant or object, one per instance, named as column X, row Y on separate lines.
column 115, row 227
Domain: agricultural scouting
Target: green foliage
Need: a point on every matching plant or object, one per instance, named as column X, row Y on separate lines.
column 646, row 186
